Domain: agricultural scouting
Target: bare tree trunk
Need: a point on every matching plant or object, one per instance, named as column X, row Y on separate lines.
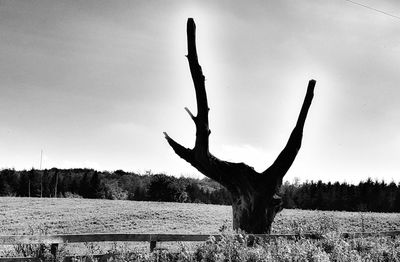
column 255, row 212
column 255, row 195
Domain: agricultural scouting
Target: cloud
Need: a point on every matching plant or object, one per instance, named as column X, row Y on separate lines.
column 256, row 157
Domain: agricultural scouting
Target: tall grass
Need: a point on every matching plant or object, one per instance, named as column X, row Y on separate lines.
column 230, row 248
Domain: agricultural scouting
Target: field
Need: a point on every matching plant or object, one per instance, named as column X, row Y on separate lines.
column 57, row 216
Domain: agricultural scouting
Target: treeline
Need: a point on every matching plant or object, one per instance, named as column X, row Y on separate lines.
column 88, row 183
column 368, row 195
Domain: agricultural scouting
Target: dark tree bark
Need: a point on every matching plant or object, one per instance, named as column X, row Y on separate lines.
column 255, row 195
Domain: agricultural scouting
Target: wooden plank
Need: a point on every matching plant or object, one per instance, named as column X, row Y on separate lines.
column 131, row 237
column 287, row 236
column 76, row 238
column 19, row 259
column 29, row 239
column 371, row 234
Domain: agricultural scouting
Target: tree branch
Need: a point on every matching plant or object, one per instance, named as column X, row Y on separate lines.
column 202, row 129
column 181, row 151
column 190, row 114
column 285, row 159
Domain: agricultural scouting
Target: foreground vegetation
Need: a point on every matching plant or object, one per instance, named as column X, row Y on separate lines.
column 330, row 248
column 376, row 196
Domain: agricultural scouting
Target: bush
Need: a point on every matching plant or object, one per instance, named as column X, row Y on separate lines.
column 71, row 195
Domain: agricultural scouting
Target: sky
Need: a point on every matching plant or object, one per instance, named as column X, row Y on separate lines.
column 94, row 84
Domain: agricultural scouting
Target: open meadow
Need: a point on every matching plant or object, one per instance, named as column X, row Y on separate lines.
column 62, row 215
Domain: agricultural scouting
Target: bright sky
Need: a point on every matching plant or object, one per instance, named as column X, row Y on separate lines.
column 95, row 83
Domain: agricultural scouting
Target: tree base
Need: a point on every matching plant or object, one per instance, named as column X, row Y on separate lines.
column 254, row 214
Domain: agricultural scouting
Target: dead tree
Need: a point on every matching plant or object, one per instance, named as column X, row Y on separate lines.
column 255, row 195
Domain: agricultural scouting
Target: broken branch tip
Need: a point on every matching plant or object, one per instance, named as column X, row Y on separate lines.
column 166, row 135
column 191, row 24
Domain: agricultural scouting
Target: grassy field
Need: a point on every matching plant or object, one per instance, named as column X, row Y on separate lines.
column 56, row 216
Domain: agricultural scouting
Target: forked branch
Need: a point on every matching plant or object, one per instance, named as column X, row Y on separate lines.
column 255, row 196
column 232, row 175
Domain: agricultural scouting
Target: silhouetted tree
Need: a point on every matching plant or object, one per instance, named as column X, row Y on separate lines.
column 255, row 199
column 23, row 189
column 96, row 187
column 165, row 188
column 34, row 181
column 158, row 188
column 397, row 200
column 9, row 182
column 84, row 186
column 5, row 189
column 195, row 194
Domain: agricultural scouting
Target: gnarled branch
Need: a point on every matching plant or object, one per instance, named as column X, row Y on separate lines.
column 234, row 176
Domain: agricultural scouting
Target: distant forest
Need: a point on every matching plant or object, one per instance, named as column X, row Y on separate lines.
column 369, row 195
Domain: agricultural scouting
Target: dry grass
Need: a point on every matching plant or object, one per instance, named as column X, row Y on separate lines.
column 56, row 216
